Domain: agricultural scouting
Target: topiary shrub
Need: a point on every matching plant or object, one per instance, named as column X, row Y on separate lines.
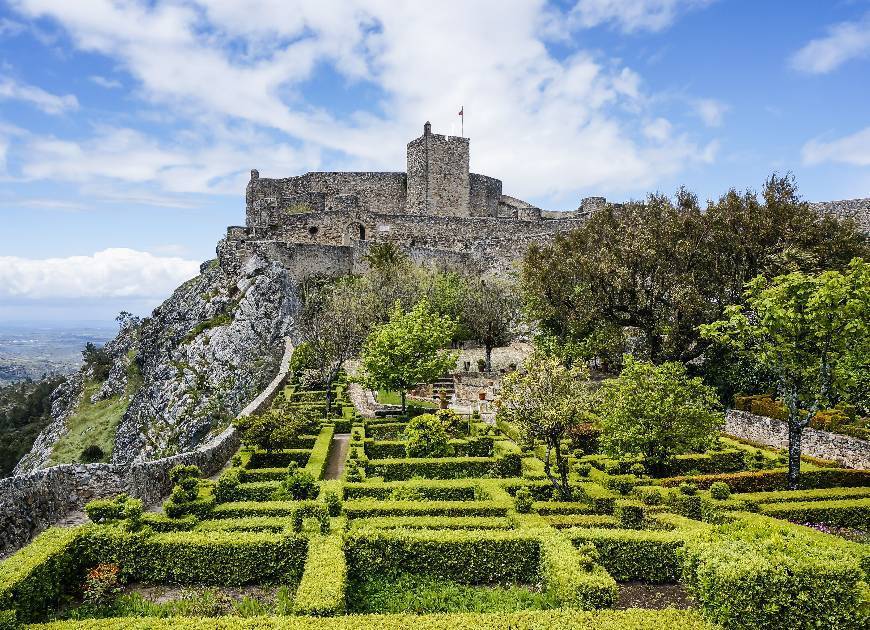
column 426, row 437
column 523, row 500
column 688, row 488
column 353, row 472
column 452, row 422
column 583, row 469
column 637, row 469
column 227, row 488
column 298, row 485
column 720, row 491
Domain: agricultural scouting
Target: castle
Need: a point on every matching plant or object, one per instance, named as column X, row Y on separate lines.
column 437, row 211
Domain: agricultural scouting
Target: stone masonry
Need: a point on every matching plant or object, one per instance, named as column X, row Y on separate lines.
column 31, row 502
column 849, row 451
column 437, row 211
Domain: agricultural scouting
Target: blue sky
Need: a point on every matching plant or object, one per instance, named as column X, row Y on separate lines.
column 128, row 128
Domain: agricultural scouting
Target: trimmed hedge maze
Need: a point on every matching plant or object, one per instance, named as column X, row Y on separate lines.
column 474, row 539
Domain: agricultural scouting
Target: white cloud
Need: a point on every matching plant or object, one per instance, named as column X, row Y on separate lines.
column 711, row 111
column 111, row 273
column 845, row 41
column 109, row 84
column 546, row 126
column 46, row 101
column 632, row 15
column 852, row 149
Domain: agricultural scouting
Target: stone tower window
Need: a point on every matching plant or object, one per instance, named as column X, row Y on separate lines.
column 362, row 232
column 313, row 230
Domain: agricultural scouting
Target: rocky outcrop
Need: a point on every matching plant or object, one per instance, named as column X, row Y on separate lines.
column 190, row 367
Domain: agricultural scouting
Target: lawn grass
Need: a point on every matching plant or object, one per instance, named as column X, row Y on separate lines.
column 395, row 398
column 91, row 423
column 420, row 594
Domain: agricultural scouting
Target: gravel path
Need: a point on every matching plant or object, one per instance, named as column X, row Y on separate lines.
column 335, row 465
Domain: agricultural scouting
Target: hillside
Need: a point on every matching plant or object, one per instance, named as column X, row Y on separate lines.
column 25, row 410
column 177, row 376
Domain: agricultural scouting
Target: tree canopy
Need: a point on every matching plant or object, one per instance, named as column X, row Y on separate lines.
column 663, row 267
column 807, row 330
column 543, row 401
column 655, row 412
column 407, row 350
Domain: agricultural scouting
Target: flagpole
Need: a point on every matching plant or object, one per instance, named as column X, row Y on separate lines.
column 462, row 109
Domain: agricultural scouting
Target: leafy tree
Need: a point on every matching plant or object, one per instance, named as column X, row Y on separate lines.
column 544, row 401
column 97, row 360
column 297, row 485
column 25, row 410
column 407, row 350
column 802, row 327
column 272, row 429
column 656, row 412
column 333, row 325
column 426, row 437
column 663, row 267
column 490, row 313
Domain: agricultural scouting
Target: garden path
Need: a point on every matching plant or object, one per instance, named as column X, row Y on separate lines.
column 337, row 454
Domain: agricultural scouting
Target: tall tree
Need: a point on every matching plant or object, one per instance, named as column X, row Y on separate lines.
column 490, row 312
column 803, row 328
column 656, row 412
column 335, row 321
column 407, row 350
column 544, row 400
column 663, row 267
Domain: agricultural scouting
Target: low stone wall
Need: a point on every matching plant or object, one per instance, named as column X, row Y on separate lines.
column 843, row 449
column 29, row 503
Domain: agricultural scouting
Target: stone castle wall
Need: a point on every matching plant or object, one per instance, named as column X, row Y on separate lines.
column 846, row 450
column 438, row 175
column 29, row 503
column 856, row 209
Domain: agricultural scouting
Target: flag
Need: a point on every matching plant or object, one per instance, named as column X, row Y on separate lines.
column 461, row 111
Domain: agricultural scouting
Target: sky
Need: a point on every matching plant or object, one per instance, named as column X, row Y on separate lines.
column 128, row 128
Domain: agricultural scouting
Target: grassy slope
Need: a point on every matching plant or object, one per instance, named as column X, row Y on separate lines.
column 91, row 423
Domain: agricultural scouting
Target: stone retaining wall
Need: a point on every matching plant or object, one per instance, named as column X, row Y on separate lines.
column 31, row 502
column 843, row 449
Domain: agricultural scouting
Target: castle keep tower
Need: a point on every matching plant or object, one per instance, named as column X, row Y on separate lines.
column 438, row 177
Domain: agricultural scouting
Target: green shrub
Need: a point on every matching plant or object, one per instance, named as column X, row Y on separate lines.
column 583, row 469
column 620, row 483
column 244, row 509
column 316, row 465
column 523, row 501
column 322, row 590
column 720, row 490
column 423, row 489
column 181, row 472
column 843, row 513
column 91, row 454
column 688, row 488
column 432, row 522
column 33, row 579
column 367, row 508
column 629, row 514
column 216, row 558
column 330, row 494
column 433, row 468
column 637, row 469
column 227, row 487
column 524, row 620
column 627, row 555
column 572, row 577
column 120, row 508
column 426, row 437
column 777, row 479
column 469, row 557
column 760, row 576
column 311, row 509
column 298, row 485
column 353, row 472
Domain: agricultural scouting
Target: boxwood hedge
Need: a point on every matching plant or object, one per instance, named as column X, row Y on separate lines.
column 558, row 619
column 469, row 557
column 843, row 512
column 757, row 575
column 322, row 590
column 366, row 508
column 650, row 556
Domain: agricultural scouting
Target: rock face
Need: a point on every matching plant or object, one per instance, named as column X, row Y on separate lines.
column 188, row 369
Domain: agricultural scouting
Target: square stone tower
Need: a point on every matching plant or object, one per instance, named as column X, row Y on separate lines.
column 438, row 179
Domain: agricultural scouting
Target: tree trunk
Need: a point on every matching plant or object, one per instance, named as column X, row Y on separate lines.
column 328, row 399
column 488, row 349
column 563, row 490
column 795, row 433
column 563, row 472
column 403, row 401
